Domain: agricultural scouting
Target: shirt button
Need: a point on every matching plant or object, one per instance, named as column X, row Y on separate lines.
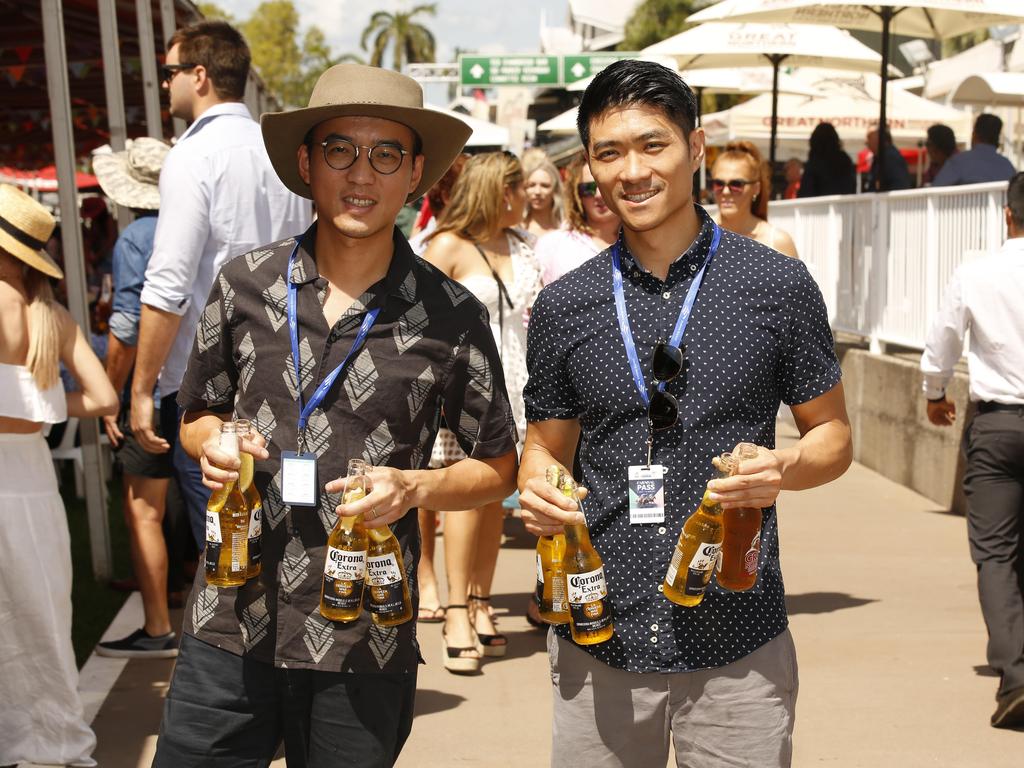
column 661, row 587
column 693, row 267
column 661, row 530
column 654, row 627
column 294, row 531
column 654, row 640
column 634, row 273
column 666, row 295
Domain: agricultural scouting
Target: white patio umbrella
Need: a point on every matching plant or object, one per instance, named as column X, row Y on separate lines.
column 736, row 45
column 485, row 134
column 936, row 19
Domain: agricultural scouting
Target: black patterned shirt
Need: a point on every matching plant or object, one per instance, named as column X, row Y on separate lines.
column 758, row 334
column 430, row 346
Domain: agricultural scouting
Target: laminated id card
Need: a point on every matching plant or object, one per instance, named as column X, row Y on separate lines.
column 298, row 479
column 646, row 494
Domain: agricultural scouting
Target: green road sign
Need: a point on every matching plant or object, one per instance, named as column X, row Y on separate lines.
column 583, row 65
column 487, row 71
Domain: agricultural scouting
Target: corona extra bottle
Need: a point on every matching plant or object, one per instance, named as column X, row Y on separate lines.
column 387, row 587
column 550, row 593
column 590, row 610
column 227, row 526
column 698, row 548
column 252, row 499
column 341, row 594
column 741, row 545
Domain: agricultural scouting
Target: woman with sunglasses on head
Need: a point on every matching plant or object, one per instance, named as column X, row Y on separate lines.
column 41, row 717
column 741, row 182
column 543, row 194
column 478, row 244
column 590, row 225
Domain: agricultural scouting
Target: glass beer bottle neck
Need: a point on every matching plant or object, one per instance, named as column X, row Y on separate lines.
column 577, row 536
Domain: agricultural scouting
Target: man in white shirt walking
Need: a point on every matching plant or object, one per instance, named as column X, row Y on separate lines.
column 220, row 198
column 984, row 297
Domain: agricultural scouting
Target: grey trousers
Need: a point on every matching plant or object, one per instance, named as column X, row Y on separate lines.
column 994, row 485
column 741, row 714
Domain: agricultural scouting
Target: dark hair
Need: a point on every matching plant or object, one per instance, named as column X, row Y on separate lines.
column 1015, row 198
column 221, row 50
column 884, row 136
column 942, row 138
column 827, row 152
column 987, row 129
column 630, row 82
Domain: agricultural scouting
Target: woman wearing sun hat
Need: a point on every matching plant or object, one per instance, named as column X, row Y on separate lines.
column 41, row 716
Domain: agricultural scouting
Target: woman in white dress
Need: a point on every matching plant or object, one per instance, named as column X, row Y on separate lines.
column 477, row 244
column 41, row 717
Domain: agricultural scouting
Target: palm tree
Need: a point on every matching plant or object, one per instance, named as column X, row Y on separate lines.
column 412, row 41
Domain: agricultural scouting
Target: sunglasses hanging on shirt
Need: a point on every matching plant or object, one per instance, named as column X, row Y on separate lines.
column 667, row 364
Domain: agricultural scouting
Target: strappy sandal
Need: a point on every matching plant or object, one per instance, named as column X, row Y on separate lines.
column 452, row 657
column 495, row 645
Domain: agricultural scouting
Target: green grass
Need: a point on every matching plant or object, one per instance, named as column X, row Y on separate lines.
column 94, row 604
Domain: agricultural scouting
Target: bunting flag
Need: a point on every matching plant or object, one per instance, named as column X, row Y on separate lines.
column 15, row 73
column 23, row 52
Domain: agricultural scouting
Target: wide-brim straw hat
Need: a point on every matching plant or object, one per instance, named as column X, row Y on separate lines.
column 132, row 178
column 355, row 90
column 25, row 226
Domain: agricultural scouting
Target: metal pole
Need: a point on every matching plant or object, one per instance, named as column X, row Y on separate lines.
column 150, row 79
column 114, row 88
column 74, row 265
column 168, row 24
column 886, row 15
column 776, row 61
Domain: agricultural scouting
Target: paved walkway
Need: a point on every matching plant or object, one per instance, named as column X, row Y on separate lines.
column 884, row 611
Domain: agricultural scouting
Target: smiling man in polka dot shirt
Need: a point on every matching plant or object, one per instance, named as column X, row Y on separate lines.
column 719, row 679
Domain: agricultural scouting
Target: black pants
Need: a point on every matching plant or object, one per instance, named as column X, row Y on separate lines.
column 224, row 711
column 994, row 485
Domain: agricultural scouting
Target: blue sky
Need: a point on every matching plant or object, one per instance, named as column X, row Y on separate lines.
column 488, row 26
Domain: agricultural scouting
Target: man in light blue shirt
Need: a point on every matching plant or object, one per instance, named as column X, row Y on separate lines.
column 220, row 197
column 981, row 162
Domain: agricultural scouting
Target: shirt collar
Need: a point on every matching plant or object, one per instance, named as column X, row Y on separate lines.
column 693, row 256
column 399, row 281
column 236, row 108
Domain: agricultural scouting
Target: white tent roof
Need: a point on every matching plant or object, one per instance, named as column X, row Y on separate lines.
column 945, row 75
column 730, row 80
column 995, row 88
column 920, row 18
column 563, row 124
column 485, row 134
column 850, row 105
column 748, row 45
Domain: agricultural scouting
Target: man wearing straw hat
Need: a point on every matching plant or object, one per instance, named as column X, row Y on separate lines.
column 344, row 330
column 131, row 179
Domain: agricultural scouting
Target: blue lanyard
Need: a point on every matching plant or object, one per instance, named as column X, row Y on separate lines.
column 681, row 323
column 293, row 326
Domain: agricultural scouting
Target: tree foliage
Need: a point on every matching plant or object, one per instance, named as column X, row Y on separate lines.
column 409, row 40
column 214, row 11
column 655, row 20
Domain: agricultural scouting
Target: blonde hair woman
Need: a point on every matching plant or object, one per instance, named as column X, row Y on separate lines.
column 40, row 711
column 477, row 244
column 543, row 195
column 741, row 182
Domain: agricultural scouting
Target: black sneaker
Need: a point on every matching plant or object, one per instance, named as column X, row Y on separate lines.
column 140, row 645
column 1010, row 710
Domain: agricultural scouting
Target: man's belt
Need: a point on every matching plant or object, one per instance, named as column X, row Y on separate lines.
column 990, row 407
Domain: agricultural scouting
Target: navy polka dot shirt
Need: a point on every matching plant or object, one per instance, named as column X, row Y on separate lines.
column 758, row 335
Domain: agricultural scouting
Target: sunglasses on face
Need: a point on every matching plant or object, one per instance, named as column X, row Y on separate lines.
column 587, row 188
column 168, row 71
column 667, row 364
column 736, row 186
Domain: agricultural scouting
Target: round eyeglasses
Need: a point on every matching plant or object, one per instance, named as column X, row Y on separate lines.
column 340, row 154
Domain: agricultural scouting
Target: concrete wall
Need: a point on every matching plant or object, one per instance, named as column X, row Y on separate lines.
column 891, row 433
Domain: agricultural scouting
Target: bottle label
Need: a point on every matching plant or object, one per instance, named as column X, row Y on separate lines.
column 705, row 558
column 255, row 534
column 213, row 541
column 239, row 551
column 558, row 602
column 344, row 573
column 384, row 575
column 588, row 600
column 750, row 559
column 673, row 567
column 538, row 590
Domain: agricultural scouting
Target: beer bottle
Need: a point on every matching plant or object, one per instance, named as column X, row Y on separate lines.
column 698, row 548
column 227, row 525
column 550, row 593
column 388, row 589
column 341, row 594
column 741, row 546
column 252, row 499
column 590, row 610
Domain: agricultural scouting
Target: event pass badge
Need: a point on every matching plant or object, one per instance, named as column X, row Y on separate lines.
column 646, row 494
column 298, row 479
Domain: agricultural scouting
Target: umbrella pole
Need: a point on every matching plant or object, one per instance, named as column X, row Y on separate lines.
column 776, row 61
column 886, row 14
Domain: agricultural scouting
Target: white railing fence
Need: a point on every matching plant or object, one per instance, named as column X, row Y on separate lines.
column 883, row 261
